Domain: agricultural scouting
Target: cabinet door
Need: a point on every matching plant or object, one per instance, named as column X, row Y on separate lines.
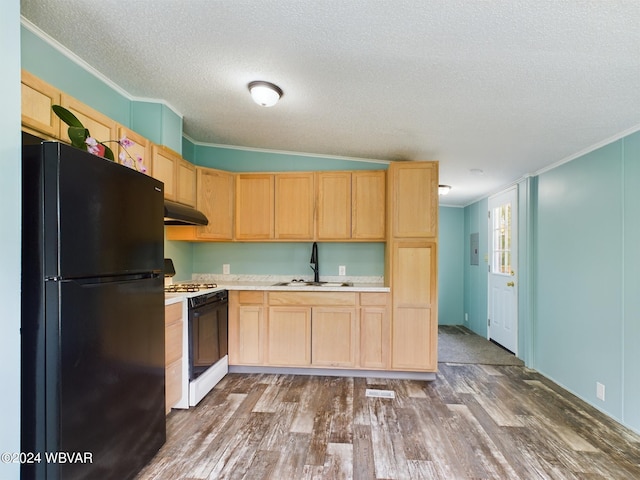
column 334, row 205
column 254, row 206
column 368, row 199
column 186, row 183
column 215, row 200
column 164, row 168
column 294, row 196
column 415, row 199
column 414, row 297
column 333, row 337
column 37, row 99
column 375, row 337
column 140, row 149
column 101, row 127
column 289, row 336
column 250, row 338
column 247, row 327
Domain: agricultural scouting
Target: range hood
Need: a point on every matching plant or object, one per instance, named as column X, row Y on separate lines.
column 177, row 214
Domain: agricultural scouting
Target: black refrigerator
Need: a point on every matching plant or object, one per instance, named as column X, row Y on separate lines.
column 92, row 327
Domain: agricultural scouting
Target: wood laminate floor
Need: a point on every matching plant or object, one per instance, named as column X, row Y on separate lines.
column 473, row 422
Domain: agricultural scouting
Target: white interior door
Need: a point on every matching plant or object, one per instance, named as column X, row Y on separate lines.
column 503, row 263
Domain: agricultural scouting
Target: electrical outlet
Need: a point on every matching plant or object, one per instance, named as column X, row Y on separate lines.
column 600, row 391
column 226, row 269
column 466, row 318
column 342, row 270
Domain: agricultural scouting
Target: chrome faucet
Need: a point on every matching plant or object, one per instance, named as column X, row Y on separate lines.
column 314, row 263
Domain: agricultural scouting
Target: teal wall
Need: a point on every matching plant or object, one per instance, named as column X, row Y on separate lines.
column 247, row 160
column 360, row 259
column 154, row 121
column 631, row 280
column 451, row 266
column 584, row 315
column 579, row 320
column 10, row 219
column 475, row 276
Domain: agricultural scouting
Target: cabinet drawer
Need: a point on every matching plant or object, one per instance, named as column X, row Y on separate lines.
column 173, row 384
column 173, row 342
column 375, row 298
column 251, row 297
column 172, row 313
column 312, row 298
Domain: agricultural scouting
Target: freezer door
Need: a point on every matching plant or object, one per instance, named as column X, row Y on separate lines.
column 110, row 218
column 111, row 376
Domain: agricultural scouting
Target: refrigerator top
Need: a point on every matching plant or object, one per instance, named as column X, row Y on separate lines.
column 88, row 217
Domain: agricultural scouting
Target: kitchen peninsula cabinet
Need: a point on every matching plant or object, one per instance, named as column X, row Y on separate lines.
column 351, row 205
column 173, row 354
column 37, row 99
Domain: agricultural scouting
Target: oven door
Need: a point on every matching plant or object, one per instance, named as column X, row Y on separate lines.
column 208, row 337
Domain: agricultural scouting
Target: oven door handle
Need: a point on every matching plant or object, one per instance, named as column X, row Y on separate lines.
column 201, row 310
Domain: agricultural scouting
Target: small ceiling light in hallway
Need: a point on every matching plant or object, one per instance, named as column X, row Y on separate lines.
column 264, row 93
column 443, row 189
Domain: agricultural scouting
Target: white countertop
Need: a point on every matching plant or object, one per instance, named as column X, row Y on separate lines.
column 270, row 286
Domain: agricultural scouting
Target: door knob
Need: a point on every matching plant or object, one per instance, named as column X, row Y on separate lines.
column 511, row 284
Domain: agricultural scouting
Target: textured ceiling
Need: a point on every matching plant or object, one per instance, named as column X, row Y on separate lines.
column 508, row 87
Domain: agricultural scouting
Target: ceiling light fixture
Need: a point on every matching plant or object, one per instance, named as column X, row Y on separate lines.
column 264, row 93
column 443, row 189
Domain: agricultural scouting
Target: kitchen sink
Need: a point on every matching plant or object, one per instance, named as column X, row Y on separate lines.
column 313, row 284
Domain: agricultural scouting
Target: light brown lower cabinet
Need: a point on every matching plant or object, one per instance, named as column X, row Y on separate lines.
column 310, row 329
column 173, row 354
column 289, row 335
column 334, row 334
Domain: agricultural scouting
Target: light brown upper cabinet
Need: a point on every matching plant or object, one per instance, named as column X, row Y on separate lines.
column 178, row 175
column 351, row 205
column 186, row 183
column 294, row 196
column 37, row 99
column 101, row 127
column 415, row 199
column 215, row 200
column 334, row 205
column 368, row 197
column 164, row 164
column 254, row 206
column 141, row 148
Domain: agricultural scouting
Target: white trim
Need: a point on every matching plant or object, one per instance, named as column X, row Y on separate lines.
column 585, row 151
column 90, row 69
column 590, row 149
column 286, row 152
